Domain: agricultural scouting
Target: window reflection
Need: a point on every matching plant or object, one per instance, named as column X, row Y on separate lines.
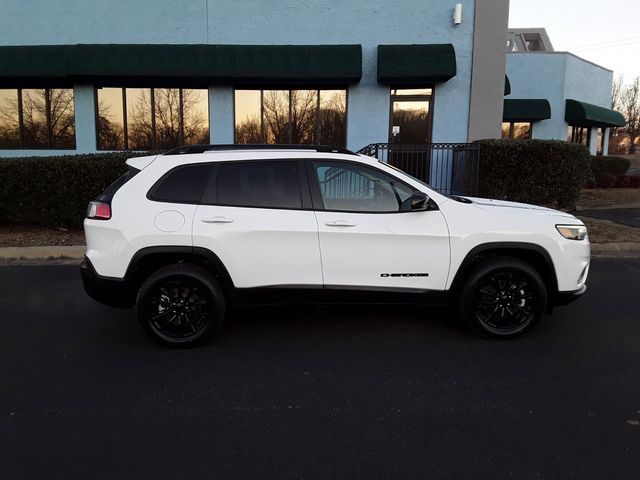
column 34, row 118
column 291, row 116
column 275, row 107
column 304, row 110
column 155, row 118
column 62, row 127
column 9, row 119
column 247, row 109
column 139, row 128
column 110, row 119
column 195, row 116
column 47, row 117
column 333, row 119
column 516, row 130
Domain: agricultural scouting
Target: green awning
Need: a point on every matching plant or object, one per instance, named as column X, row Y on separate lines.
column 526, row 110
column 583, row 114
column 203, row 64
column 507, row 86
column 27, row 64
column 416, row 64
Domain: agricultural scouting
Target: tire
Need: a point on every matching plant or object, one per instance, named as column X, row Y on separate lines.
column 180, row 305
column 502, row 297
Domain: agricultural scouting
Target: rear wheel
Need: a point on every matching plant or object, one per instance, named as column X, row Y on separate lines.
column 503, row 297
column 180, row 305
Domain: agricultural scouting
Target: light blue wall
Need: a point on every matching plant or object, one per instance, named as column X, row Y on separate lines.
column 558, row 76
column 366, row 22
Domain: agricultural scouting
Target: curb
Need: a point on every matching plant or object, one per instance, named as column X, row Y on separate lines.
column 621, row 247
column 613, row 206
column 75, row 252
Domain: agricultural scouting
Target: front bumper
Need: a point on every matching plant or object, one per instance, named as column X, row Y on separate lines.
column 565, row 298
column 114, row 292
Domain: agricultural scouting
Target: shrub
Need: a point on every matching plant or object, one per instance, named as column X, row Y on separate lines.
column 606, row 180
column 622, row 181
column 55, row 191
column 617, row 165
column 543, row 172
column 613, row 165
column 634, row 181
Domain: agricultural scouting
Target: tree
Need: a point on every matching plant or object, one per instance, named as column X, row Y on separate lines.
column 630, row 103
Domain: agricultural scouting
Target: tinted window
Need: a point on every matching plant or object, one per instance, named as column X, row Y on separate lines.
column 111, row 190
column 353, row 188
column 182, row 185
column 259, row 184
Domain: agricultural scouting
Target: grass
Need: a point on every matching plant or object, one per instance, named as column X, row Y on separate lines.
column 604, row 231
column 607, row 197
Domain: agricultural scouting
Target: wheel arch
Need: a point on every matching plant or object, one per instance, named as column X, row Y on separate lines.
column 149, row 259
column 532, row 254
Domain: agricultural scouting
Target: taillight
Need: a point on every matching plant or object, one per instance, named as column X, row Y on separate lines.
column 99, row 211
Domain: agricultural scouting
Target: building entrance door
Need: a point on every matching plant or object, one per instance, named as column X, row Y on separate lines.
column 410, row 127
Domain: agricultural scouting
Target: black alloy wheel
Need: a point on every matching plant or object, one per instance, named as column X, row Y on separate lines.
column 505, row 301
column 180, row 304
column 503, row 297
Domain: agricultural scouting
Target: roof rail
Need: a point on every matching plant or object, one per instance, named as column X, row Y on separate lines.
column 211, row 148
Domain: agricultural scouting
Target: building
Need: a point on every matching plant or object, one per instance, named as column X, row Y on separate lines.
column 528, row 40
column 556, row 95
column 154, row 74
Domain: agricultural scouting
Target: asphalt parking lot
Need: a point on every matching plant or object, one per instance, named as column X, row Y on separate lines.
column 318, row 392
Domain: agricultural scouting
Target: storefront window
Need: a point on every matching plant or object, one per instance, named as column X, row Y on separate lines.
column 581, row 135
column 37, row 118
column 600, row 146
column 516, row 130
column 148, row 118
column 291, row 116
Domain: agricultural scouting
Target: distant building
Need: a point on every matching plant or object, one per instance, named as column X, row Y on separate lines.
column 556, row 95
column 528, row 40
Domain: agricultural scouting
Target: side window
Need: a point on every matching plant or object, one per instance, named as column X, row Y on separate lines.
column 355, row 188
column 182, row 185
column 271, row 184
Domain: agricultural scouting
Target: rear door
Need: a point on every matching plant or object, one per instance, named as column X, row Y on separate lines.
column 365, row 240
column 256, row 216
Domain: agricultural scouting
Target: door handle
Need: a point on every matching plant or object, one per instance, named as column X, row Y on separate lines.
column 339, row 223
column 218, row 219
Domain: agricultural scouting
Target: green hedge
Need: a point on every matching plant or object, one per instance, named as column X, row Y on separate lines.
column 541, row 172
column 55, row 191
column 610, row 164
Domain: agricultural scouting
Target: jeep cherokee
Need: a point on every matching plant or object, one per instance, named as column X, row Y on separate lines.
column 186, row 234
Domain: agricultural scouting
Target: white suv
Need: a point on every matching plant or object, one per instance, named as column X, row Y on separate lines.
column 185, row 234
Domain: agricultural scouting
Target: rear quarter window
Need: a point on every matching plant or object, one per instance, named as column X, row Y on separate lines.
column 111, row 190
column 183, row 184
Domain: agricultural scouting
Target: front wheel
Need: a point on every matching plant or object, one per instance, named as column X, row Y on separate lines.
column 180, row 305
column 503, row 297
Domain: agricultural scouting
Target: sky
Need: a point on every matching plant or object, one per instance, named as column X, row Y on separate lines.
column 604, row 32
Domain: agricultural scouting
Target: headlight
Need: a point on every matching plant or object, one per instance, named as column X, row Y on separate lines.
column 572, row 232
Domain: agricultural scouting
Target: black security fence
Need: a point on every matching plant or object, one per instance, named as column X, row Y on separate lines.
column 450, row 168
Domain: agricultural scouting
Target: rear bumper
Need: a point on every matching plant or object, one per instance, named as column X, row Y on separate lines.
column 565, row 298
column 114, row 292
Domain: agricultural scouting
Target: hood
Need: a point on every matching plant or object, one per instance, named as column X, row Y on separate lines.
column 503, row 204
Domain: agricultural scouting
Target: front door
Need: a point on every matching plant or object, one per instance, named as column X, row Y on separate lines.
column 365, row 241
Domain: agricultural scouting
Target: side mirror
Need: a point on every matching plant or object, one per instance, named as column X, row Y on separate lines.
column 417, row 202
